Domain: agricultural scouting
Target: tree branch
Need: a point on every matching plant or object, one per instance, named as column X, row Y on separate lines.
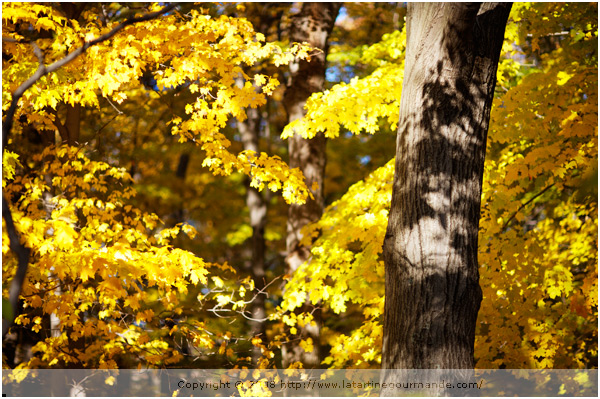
column 19, row 249
column 44, row 70
column 23, row 258
column 62, row 130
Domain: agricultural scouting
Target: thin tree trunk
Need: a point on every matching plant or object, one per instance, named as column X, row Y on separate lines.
column 432, row 280
column 313, row 25
column 257, row 209
column 180, row 174
column 257, row 201
column 69, row 131
column 73, row 123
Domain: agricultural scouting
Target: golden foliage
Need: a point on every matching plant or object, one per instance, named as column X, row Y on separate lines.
column 538, row 229
column 115, row 283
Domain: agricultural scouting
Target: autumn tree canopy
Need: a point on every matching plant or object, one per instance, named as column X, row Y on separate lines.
column 132, row 175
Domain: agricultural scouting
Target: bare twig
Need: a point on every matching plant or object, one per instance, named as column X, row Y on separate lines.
column 115, row 107
column 505, row 225
column 107, row 123
column 119, row 112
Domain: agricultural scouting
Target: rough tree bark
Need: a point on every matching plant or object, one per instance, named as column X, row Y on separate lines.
column 432, row 288
column 312, row 24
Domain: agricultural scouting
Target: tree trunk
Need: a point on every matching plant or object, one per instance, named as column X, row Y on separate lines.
column 432, row 292
column 313, row 25
column 69, row 131
column 180, row 174
column 257, row 209
column 256, row 201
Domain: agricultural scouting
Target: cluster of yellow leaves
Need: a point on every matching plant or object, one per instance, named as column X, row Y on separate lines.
column 359, row 105
column 196, row 51
column 538, row 245
column 540, row 293
column 10, row 161
column 66, row 84
column 99, row 266
column 346, row 271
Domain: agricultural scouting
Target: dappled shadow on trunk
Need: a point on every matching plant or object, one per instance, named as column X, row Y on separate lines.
column 430, row 250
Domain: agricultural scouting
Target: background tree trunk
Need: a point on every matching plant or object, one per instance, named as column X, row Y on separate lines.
column 432, row 292
column 70, row 130
column 181, row 173
column 257, row 209
column 312, row 24
column 264, row 16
